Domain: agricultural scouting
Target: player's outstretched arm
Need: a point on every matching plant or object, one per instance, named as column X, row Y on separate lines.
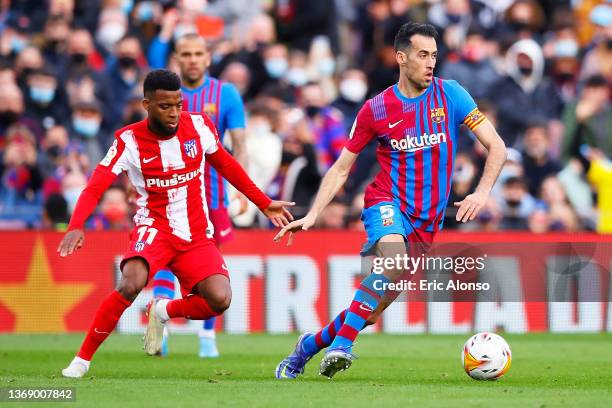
column 332, row 182
column 473, row 203
column 101, row 179
column 230, row 169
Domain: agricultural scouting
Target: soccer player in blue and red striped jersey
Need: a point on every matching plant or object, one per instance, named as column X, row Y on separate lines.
column 416, row 124
column 221, row 102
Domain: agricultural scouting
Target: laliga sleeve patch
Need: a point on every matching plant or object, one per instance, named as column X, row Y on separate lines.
column 110, row 155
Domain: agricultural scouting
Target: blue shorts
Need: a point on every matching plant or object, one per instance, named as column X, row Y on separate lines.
column 383, row 219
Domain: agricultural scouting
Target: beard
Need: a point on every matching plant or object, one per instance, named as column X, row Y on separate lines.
column 160, row 128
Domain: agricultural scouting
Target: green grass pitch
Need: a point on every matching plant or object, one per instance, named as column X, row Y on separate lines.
column 411, row 371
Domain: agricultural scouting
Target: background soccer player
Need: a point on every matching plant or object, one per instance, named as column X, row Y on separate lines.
column 416, row 123
column 164, row 157
column 222, row 103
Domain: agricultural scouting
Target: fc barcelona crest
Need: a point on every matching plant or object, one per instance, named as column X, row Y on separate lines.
column 191, row 148
column 437, row 115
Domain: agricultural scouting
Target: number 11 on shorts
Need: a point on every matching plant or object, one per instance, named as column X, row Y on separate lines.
column 141, row 234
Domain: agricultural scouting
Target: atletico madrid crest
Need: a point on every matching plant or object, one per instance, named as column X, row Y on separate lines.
column 191, row 148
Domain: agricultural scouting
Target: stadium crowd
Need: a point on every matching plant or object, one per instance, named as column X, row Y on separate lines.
column 71, row 73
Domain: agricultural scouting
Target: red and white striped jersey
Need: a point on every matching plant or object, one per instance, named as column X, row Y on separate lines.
column 168, row 174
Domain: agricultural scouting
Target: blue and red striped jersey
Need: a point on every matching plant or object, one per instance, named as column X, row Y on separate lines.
column 221, row 102
column 417, row 139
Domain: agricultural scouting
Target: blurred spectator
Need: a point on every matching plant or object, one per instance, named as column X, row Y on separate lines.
column 600, row 177
column 81, row 55
column 12, row 112
column 562, row 215
column 264, row 149
column 452, row 18
column 297, row 74
column 516, row 204
column 524, row 19
column 56, row 215
column 299, row 177
column 298, row 22
column 589, row 119
column 21, row 179
column 325, row 122
column 86, row 128
column 238, row 74
column 45, row 100
column 56, row 33
column 28, row 60
column 597, row 60
column 537, row 162
column 113, row 211
column 112, row 26
column 353, row 90
column 473, row 70
column 524, row 86
column 124, row 75
column 333, row 216
column 53, row 153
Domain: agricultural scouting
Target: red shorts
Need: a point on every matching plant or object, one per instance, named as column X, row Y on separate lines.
column 191, row 262
column 224, row 231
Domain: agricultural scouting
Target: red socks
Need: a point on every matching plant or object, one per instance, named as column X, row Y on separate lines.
column 104, row 323
column 191, row 307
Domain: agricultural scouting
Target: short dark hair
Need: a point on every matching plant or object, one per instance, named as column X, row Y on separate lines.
column 405, row 33
column 161, row 79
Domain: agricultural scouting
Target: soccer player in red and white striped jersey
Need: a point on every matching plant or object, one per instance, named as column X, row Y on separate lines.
column 164, row 157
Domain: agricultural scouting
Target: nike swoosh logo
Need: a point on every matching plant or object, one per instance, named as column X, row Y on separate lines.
column 364, row 307
column 224, row 267
column 225, row 232
column 148, row 159
column 100, row 332
column 392, row 125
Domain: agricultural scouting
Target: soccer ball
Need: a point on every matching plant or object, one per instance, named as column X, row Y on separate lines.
column 486, row 356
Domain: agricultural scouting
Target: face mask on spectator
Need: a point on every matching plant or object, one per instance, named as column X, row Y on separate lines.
column 609, row 43
column 71, row 195
column 276, row 67
column 114, row 213
column 261, row 128
column 566, row 48
column 109, row 34
column 78, row 58
column 54, row 151
column 513, row 203
column 525, row 71
column 312, row 111
column 145, row 11
column 127, row 6
column 297, row 77
column 353, row 90
column 8, row 116
column 473, row 53
column 17, row 44
column 86, row 127
column 42, row 95
column 127, row 62
column 326, row 66
column 464, row 173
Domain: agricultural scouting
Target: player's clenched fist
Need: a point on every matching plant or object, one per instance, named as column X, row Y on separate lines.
column 71, row 241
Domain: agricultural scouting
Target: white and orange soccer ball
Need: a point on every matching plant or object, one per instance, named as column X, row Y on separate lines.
column 486, row 356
